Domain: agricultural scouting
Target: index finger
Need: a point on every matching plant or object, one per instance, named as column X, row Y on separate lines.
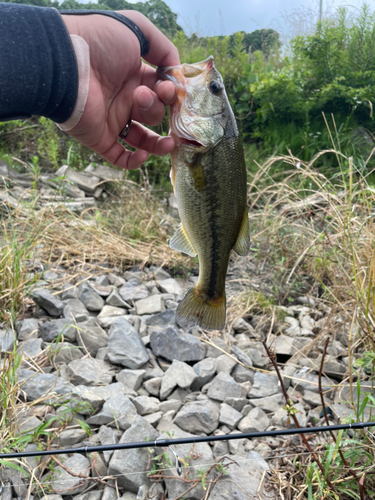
column 161, row 52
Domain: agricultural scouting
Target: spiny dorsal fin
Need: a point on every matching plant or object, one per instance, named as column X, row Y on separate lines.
column 181, row 242
column 242, row 245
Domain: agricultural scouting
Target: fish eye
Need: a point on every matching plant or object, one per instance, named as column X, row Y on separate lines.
column 215, row 87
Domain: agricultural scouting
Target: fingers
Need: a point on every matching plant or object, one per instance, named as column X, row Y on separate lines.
column 147, row 107
column 166, row 90
column 141, row 137
column 122, row 158
column 162, row 51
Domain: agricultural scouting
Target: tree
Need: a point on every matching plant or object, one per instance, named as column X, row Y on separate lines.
column 265, row 40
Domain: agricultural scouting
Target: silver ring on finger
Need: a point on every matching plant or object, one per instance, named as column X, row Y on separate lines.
column 125, row 131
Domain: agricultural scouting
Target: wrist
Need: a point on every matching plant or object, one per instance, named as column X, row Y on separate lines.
column 82, row 55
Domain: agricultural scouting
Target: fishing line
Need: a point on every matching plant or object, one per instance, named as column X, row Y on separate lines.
column 189, row 440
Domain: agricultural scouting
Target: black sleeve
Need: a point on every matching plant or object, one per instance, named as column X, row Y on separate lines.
column 38, row 68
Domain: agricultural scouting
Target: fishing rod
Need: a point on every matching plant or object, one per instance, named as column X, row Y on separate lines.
column 189, row 440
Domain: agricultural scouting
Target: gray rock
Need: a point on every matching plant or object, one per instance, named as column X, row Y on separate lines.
column 176, row 487
column 106, row 174
column 63, row 352
column 154, row 418
column 229, row 416
column 242, row 326
column 257, row 357
column 242, row 482
column 90, row 495
column 107, row 436
column 102, row 290
column 96, row 396
column 75, row 309
column 111, row 311
column 264, row 385
column 212, row 352
column 162, row 319
column 283, row 344
column 146, row 405
column 86, row 181
column 170, row 285
column 90, row 298
column 225, row 364
column 70, row 437
column 172, row 405
column 198, row 417
column 255, row 421
column 70, row 292
column 131, row 378
column 205, row 371
column 92, row 338
column 50, row 330
column 50, row 303
column 224, row 386
column 242, row 374
column 65, row 483
column 178, row 374
column 278, row 417
column 133, row 291
column 28, row 424
column 312, row 398
column 220, row 448
column 310, row 381
column 181, row 346
column 242, row 356
column 125, row 346
column 52, row 497
column 38, row 384
column 153, row 385
column 269, row 404
column 151, row 305
column 89, row 371
column 28, row 328
column 115, row 300
column 160, row 274
column 236, row 403
column 7, row 340
column 30, row 348
column 110, row 493
column 117, row 411
column 114, row 279
column 131, row 465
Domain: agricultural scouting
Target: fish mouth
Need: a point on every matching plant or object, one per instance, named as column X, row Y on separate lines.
column 180, row 117
column 190, row 142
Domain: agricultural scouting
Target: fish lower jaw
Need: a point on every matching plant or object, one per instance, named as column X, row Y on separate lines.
column 191, row 143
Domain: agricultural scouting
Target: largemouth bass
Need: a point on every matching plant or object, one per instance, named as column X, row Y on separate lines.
column 209, row 180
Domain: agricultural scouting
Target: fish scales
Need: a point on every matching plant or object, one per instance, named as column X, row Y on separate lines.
column 209, row 180
column 212, row 215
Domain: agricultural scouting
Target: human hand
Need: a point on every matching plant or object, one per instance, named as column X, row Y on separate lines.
column 123, row 88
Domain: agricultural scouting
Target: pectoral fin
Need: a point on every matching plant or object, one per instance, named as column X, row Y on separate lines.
column 242, row 246
column 181, row 242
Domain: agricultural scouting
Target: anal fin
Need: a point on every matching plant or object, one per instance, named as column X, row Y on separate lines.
column 181, row 242
column 242, row 245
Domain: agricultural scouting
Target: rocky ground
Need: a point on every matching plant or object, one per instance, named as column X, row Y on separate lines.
column 105, row 362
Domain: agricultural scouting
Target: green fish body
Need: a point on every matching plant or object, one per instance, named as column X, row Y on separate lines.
column 209, row 179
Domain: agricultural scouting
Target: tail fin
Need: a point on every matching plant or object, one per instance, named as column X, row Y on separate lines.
column 194, row 311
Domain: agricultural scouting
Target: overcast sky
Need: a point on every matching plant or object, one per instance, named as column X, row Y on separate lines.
column 224, row 17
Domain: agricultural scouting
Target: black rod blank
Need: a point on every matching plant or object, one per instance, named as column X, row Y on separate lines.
column 190, row 440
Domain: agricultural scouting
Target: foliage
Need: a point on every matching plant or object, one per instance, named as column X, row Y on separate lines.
column 265, row 40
